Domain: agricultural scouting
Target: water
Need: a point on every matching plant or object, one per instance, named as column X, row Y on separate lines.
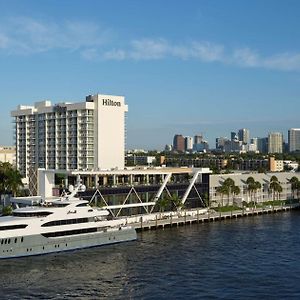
column 244, row 258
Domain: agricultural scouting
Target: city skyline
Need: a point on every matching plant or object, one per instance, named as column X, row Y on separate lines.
column 198, row 67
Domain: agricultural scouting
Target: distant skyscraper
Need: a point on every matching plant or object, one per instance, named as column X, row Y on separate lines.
column 233, row 136
column 294, row 139
column 262, row 145
column 198, row 139
column 178, row 143
column 188, row 143
column 253, row 145
column 244, row 135
column 220, row 143
column 275, row 142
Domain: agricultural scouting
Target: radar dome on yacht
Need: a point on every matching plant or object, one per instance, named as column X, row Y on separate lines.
column 82, row 188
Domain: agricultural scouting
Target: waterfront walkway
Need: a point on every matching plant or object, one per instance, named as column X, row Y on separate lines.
column 186, row 217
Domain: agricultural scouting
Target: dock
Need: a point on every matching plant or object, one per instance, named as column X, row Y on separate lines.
column 188, row 217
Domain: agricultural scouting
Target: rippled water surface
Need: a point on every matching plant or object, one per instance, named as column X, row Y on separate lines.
column 242, row 259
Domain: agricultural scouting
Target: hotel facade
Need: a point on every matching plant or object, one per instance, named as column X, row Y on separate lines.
column 84, row 136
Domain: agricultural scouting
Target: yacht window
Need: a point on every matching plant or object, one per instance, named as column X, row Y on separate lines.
column 22, row 239
column 32, row 214
column 69, row 232
column 2, row 242
column 11, row 227
column 66, row 222
column 60, row 204
column 82, row 205
column 8, row 241
column 5, row 241
column 16, row 240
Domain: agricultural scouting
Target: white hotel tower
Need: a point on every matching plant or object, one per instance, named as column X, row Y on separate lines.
column 82, row 136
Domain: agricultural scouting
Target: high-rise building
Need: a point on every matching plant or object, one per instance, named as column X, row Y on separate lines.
column 198, row 139
column 294, row 139
column 220, row 143
column 262, row 145
column 188, row 143
column 201, row 147
column 253, row 145
column 244, row 135
column 233, row 136
column 179, row 143
column 71, row 136
column 275, row 142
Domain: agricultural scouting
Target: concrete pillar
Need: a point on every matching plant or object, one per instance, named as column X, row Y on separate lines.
column 131, row 179
column 96, row 178
column 104, row 180
column 78, row 179
column 66, row 182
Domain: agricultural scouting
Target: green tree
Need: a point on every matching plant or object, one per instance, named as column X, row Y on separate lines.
column 250, row 186
column 162, row 204
column 10, row 179
column 256, row 187
column 227, row 188
column 275, row 187
column 235, row 190
column 176, row 201
column 7, row 210
column 221, row 190
column 294, row 181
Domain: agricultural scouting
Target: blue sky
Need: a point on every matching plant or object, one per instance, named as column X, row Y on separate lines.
column 185, row 67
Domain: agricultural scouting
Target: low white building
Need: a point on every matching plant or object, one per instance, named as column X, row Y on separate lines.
column 240, row 179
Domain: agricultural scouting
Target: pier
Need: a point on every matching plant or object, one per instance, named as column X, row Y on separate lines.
column 188, row 217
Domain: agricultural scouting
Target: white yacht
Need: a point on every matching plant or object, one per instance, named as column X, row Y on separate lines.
column 61, row 225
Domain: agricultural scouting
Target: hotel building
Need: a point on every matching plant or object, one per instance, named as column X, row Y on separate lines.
column 84, row 136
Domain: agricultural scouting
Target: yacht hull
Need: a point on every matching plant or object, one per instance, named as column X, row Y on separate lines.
column 38, row 244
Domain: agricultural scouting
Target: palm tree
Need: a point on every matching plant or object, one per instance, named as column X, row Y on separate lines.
column 275, row 187
column 228, row 188
column 162, row 204
column 176, row 201
column 222, row 190
column 297, row 187
column 10, row 179
column 230, row 184
column 256, row 186
column 294, row 182
column 236, row 190
column 250, row 186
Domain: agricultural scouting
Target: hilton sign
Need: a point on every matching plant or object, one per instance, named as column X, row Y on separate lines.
column 109, row 102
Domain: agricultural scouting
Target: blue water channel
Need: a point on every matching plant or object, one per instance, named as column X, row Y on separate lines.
column 245, row 258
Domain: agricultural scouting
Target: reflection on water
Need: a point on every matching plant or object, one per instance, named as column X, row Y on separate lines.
column 245, row 258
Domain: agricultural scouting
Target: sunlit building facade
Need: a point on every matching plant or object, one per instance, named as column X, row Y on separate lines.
column 71, row 136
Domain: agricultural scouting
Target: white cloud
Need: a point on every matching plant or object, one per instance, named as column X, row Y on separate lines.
column 149, row 49
column 3, row 41
column 154, row 49
column 115, row 54
column 208, row 52
column 245, row 57
column 28, row 36
column 284, row 62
